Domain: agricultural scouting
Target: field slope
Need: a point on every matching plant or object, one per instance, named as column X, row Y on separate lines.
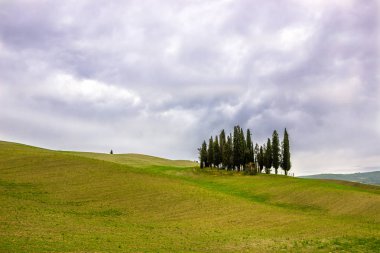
column 52, row 201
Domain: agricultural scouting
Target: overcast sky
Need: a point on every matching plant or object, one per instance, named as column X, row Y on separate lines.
column 158, row 77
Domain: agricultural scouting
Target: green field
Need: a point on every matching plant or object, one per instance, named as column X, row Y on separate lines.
column 52, row 201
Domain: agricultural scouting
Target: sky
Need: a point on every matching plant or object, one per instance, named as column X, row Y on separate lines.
column 159, row 77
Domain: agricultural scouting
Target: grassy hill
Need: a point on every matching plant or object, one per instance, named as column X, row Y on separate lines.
column 363, row 177
column 52, row 201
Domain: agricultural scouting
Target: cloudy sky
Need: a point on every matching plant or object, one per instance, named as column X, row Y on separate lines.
column 158, row 77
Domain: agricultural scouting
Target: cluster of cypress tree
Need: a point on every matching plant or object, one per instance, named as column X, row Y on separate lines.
column 237, row 152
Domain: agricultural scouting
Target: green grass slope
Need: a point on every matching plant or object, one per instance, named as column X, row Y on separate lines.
column 54, row 201
column 136, row 160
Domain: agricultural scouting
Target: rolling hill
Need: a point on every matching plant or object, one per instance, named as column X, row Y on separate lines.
column 55, row 201
column 363, row 177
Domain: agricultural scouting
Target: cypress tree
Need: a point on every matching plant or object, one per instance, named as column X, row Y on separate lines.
column 210, row 152
column 203, row 155
column 249, row 148
column 261, row 159
column 227, row 153
column 243, row 148
column 222, row 143
column 275, row 151
column 200, row 157
column 236, row 147
column 217, row 160
column 256, row 155
column 285, row 163
column 268, row 157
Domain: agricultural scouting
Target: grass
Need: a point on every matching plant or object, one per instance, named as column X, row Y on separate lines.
column 53, row 201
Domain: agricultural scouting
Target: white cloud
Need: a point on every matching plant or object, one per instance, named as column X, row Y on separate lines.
column 65, row 87
column 322, row 4
column 341, row 91
column 292, row 38
column 179, row 116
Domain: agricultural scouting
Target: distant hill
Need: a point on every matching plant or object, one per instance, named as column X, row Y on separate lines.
column 364, row 178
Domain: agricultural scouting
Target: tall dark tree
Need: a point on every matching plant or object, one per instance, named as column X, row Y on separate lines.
column 256, row 152
column 268, row 157
column 217, row 154
column 260, row 159
column 243, row 147
column 203, row 155
column 222, row 143
column 275, row 151
column 264, row 152
column 285, row 156
column 210, row 152
column 237, row 151
column 227, row 153
column 249, row 158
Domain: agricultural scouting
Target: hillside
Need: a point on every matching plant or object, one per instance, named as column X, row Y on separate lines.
column 364, row 177
column 54, row 201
